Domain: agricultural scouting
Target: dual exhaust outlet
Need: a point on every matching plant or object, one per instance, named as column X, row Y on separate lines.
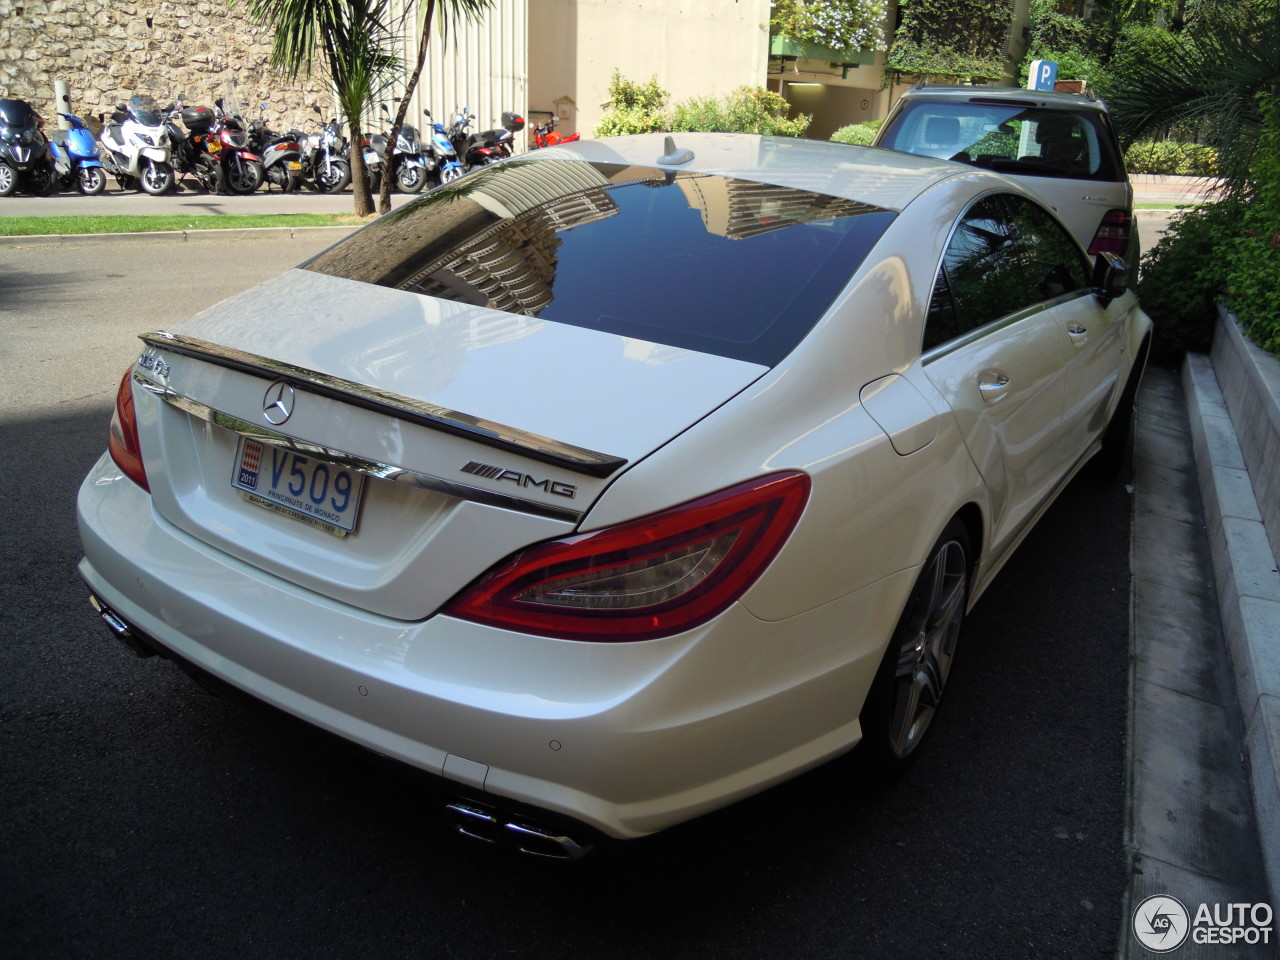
column 469, row 819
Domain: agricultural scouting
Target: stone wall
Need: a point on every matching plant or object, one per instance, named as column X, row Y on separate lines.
column 107, row 50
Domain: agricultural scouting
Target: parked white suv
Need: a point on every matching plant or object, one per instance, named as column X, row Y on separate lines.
column 1062, row 146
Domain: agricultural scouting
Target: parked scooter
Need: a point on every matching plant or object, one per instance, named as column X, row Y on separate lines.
column 444, row 164
column 323, row 166
column 408, row 168
column 281, row 154
column 488, row 146
column 136, row 146
column 544, row 134
column 241, row 168
column 24, row 151
column 196, row 150
column 76, row 162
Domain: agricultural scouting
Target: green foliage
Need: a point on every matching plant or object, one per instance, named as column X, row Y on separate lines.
column 960, row 39
column 1253, row 256
column 641, row 108
column 746, row 110
column 859, row 134
column 1205, row 79
column 1226, row 250
column 1182, row 278
column 846, row 25
column 1172, row 158
column 633, row 108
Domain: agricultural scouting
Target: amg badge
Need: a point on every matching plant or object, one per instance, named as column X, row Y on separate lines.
column 490, row 472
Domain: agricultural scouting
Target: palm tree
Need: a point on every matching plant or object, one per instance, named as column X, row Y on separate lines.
column 1207, row 77
column 357, row 44
column 446, row 13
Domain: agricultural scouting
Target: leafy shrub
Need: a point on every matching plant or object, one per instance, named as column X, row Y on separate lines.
column 1183, row 277
column 1253, row 257
column 859, row 134
column 641, row 108
column 1170, row 157
column 746, row 110
column 633, row 108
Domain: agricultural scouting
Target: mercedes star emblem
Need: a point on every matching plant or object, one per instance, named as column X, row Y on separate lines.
column 277, row 405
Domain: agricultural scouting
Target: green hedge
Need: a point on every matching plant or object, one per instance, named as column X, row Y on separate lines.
column 641, row 108
column 1168, row 157
column 859, row 134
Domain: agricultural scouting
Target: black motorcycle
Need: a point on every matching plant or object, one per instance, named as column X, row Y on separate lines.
column 24, row 152
column 195, row 149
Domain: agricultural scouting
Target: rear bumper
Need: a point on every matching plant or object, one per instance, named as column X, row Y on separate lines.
column 627, row 738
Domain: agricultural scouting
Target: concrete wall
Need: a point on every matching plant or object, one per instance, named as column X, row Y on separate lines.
column 703, row 48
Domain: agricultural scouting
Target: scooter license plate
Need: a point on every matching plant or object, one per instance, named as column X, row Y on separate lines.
column 294, row 165
column 321, row 494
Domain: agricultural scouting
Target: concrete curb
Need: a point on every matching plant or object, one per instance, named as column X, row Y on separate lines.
column 180, row 236
column 1248, row 590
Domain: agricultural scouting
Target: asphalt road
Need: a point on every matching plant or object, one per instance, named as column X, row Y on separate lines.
column 145, row 818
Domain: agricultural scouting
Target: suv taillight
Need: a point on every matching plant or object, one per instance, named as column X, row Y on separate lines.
column 646, row 578
column 1113, row 233
column 122, row 440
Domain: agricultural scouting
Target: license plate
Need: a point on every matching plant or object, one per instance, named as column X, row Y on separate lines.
column 294, row 164
column 301, row 487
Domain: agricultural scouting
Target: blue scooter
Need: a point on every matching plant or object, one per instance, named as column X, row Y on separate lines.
column 76, row 161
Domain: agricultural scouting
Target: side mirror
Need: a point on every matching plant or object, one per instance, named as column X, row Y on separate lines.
column 1109, row 277
column 316, row 111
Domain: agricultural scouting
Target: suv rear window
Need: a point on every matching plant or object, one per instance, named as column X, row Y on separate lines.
column 725, row 266
column 1007, row 137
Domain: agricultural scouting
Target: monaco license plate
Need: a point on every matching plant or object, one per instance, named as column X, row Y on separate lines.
column 314, row 491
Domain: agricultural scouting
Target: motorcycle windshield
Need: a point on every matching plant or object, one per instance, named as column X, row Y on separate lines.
column 144, row 109
column 16, row 113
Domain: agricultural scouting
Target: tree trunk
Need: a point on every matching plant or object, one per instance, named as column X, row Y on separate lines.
column 359, row 175
column 384, row 194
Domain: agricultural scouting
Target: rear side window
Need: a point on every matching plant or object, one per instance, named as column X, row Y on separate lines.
column 1009, row 138
column 1005, row 255
column 719, row 265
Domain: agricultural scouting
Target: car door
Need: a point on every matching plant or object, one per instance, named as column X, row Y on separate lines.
column 1001, row 361
column 1062, row 274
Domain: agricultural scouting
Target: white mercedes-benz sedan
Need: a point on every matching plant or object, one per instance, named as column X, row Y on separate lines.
column 616, row 482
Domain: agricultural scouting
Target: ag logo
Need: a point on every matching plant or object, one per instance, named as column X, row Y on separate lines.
column 1161, row 923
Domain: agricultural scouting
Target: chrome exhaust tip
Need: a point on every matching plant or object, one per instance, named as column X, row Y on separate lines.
column 481, row 823
column 121, row 630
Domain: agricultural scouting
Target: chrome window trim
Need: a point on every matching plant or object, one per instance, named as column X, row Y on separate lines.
column 363, row 465
column 531, row 445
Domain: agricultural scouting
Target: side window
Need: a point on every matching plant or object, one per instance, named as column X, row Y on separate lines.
column 981, row 279
column 1054, row 264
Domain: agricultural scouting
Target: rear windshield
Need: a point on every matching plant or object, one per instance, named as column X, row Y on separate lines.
column 1007, row 137
column 723, row 266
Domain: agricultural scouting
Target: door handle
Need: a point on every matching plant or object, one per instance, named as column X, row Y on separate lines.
column 992, row 385
column 1078, row 333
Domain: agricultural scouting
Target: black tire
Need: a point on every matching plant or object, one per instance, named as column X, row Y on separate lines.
column 208, row 173
column 243, row 176
column 41, row 181
column 908, row 687
column 8, row 180
column 157, row 179
column 333, row 178
column 92, row 181
column 411, row 178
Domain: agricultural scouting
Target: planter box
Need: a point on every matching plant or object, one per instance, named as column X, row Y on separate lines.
column 780, row 46
column 1250, row 381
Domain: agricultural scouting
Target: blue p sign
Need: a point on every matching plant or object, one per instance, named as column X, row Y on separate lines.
column 1042, row 75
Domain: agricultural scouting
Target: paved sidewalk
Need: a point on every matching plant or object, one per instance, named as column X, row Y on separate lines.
column 1191, row 829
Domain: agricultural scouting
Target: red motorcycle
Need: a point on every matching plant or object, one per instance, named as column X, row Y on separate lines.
column 242, row 170
column 544, row 134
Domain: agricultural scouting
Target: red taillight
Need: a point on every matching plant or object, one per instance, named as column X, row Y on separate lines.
column 1113, row 234
column 122, row 440
column 643, row 579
